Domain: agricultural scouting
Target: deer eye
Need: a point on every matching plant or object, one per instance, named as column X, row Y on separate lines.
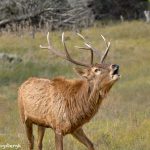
column 97, row 71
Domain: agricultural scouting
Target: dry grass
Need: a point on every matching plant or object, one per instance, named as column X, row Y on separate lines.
column 123, row 121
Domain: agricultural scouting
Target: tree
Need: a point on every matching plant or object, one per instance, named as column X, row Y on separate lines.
column 55, row 13
column 129, row 9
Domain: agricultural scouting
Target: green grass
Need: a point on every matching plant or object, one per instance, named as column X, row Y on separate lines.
column 123, row 121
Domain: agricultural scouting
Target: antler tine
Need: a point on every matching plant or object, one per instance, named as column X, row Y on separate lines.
column 107, row 49
column 65, row 47
column 68, row 57
column 84, row 48
column 50, row 48
column 88, row 46
column 81, row 36
column 48, row 39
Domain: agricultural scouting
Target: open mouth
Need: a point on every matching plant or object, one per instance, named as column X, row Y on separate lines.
column 115, row 73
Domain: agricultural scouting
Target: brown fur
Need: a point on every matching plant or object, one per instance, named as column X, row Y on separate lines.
column 65, row 104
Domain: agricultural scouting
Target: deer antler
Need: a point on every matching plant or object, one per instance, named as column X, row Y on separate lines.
column 88, row 47
column 106, row 51
column 65, row 56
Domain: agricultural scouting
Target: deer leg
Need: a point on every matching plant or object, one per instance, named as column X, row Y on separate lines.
column 59, row 141
column 29, row 132
column 81, row 137
column 41, row 131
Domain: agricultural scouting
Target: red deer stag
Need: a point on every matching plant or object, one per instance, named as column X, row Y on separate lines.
column 65, row 105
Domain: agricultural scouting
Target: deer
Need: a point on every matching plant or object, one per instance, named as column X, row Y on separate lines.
column 65, row 105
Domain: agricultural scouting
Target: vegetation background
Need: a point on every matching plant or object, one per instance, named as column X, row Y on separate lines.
column 123, row 121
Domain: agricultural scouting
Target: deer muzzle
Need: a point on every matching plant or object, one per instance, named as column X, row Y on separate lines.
column 115, row 72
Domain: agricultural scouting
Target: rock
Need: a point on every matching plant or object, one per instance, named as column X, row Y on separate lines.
column 11, row 58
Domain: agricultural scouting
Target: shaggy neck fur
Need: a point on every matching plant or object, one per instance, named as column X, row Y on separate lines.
column 84, row 98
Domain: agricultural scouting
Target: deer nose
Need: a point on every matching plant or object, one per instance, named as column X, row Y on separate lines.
column 115, row 66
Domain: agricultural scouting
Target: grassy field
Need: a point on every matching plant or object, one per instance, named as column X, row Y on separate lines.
column 123, row 122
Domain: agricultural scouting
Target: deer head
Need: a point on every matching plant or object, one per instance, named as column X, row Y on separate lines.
column 105, row 75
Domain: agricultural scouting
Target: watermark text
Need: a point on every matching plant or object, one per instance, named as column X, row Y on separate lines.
column 8, row 146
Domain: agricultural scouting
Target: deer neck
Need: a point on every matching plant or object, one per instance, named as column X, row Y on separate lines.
column 97, row 94
column 86, row 102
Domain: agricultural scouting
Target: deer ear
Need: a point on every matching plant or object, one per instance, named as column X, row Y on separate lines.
column 82, row 72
